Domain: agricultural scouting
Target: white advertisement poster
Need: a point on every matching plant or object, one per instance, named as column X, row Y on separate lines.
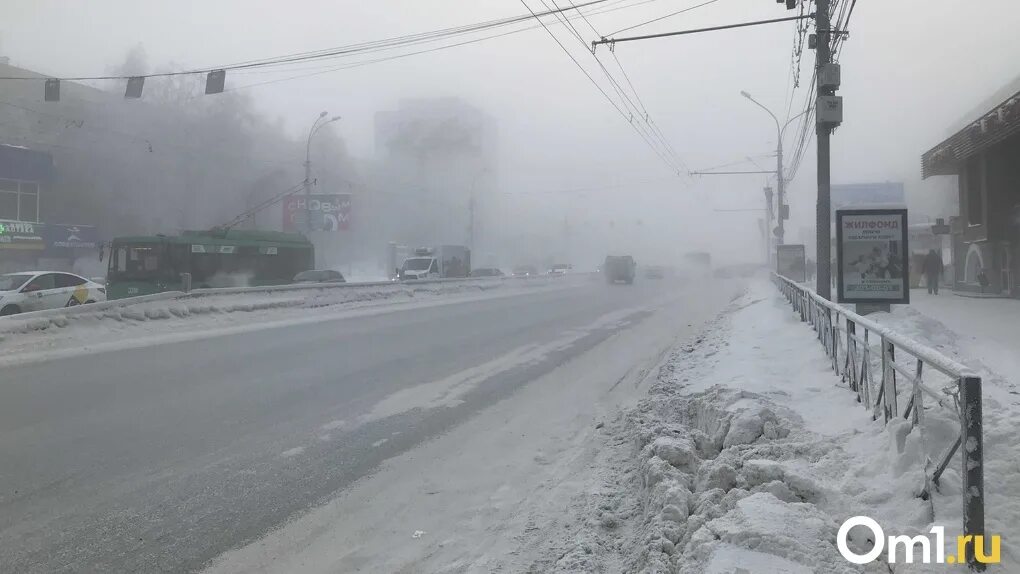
column 872, row 256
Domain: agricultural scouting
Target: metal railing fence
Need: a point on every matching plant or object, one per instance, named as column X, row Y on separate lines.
column 848, row 339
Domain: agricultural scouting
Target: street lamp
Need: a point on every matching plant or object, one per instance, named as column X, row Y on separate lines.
column 780, row 180
column 316, row 126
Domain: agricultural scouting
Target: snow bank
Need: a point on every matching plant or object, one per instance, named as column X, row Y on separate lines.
column 979, row 347
column 166, row 313
column 747, row 456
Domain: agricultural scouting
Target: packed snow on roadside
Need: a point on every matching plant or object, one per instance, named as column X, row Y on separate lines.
column 747, row 456
column 82, row 325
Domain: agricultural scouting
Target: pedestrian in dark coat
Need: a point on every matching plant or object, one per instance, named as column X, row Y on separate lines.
column 933, row 271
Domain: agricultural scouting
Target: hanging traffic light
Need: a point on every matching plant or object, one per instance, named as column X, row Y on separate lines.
column 134, row 87
column 214, row 81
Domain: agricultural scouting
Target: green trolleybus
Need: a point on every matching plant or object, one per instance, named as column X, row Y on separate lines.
column 142, row 265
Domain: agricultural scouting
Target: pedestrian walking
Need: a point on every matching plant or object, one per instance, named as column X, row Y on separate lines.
column 933, row 271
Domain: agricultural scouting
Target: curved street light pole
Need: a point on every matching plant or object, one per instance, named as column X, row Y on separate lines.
column 316, row 126
column 780, row 179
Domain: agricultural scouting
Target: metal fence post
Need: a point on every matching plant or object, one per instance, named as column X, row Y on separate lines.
column 850, row 370
column 917, row 399
column 973, row 465
column 889, row 408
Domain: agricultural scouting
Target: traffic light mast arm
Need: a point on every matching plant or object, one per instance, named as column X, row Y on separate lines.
column 613, row 41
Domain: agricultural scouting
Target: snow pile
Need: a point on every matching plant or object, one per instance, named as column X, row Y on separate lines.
column 719, row 482
column 1000, row 405
column 747, row 456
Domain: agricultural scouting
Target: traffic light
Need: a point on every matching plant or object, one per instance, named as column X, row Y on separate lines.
column 214, row 81
column 134, row 87
column 790, row 4
column 51, row 91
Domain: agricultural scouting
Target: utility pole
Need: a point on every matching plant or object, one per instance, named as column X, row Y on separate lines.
column 780, row 191
column 823, row 215
column 769, row 215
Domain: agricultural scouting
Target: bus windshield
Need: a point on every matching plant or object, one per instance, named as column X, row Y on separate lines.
column 137, row 262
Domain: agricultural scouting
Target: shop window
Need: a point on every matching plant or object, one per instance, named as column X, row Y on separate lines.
column 19, row 200
column 28, row 207
column 8, row 205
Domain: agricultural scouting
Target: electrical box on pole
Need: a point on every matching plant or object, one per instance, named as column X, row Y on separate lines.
column 828, row 76
column 829, row 110
column 784, row 212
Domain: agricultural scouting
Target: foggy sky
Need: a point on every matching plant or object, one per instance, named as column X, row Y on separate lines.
column 910, row 70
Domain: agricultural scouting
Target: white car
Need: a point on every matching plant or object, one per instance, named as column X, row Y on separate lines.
column 38, row 290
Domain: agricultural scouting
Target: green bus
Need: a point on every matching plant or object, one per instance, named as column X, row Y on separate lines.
column 141, row 265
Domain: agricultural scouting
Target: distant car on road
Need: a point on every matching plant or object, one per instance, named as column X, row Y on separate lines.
column 525, row 271
column 487, row 272
column 619, row 268
column 319, row 276
column 39, row 290
column 561, row 269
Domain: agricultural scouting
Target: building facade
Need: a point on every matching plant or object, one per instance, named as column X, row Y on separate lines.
column 984, row 157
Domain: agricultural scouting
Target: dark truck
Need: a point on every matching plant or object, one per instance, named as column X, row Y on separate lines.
column 619, row 268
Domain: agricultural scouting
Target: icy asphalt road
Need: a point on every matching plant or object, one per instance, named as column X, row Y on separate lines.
column 162, row 458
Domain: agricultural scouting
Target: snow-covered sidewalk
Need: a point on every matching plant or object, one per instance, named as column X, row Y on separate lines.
column 750, row 452
column 985, row 330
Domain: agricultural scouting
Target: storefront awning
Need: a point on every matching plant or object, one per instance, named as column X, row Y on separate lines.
column 993, row 127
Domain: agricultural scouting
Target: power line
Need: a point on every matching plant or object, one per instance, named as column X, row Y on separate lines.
column 597, row 86
column 249, row 213
column 585, row 18
column 670, row 15
column 590, row 189
column 651, row 122
column 628, row 102
column 795, row 58
column 376, row 45
column 845, row 30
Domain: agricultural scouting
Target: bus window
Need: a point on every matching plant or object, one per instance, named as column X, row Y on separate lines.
column 136, row 262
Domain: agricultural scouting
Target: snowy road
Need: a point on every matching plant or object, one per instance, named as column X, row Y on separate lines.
column 162, row 458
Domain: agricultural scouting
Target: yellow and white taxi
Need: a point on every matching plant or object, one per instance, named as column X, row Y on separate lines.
column 37, row 290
